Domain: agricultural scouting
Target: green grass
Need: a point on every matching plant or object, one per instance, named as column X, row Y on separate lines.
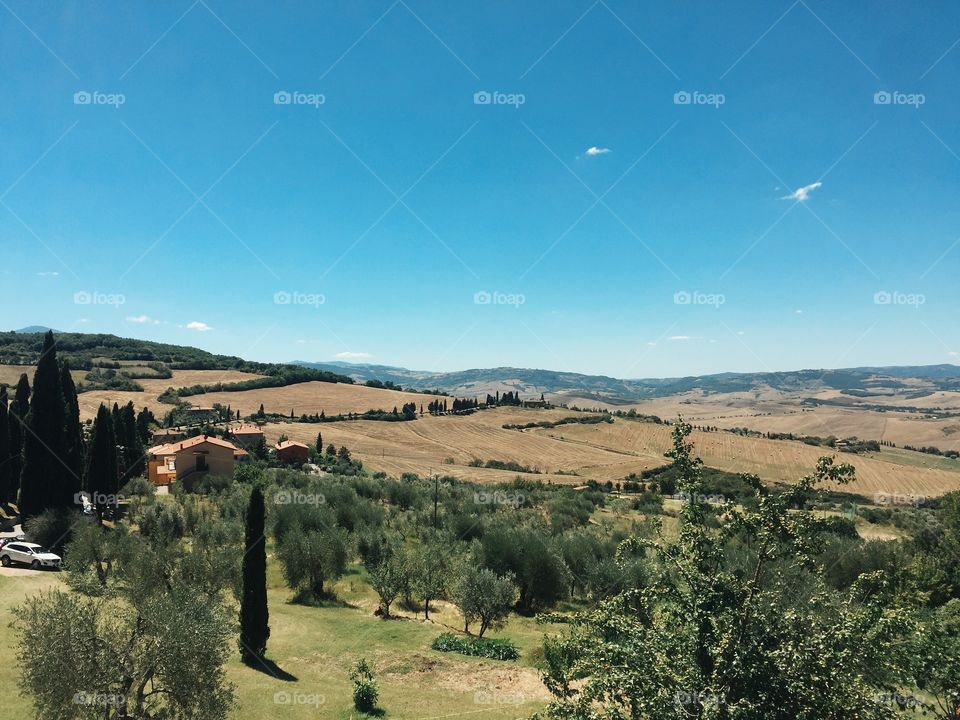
column 318, row 646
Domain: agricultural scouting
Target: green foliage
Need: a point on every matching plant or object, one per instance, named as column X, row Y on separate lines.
column 483, row 596
column 750, row 634
column 494, row 649
column 47, row 482
column 365, row 692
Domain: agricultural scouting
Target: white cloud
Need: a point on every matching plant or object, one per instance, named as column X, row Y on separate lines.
column 48, row 274
column 682, row 338
column 143, row 320
column 799, row 312
column 801, row 194
column 594, row 151
column 198, row 326
column 347, row 355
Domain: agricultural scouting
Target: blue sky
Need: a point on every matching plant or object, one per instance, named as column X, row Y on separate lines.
column 638, row 189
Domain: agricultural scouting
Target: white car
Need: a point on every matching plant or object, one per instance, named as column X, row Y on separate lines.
column 36, row 556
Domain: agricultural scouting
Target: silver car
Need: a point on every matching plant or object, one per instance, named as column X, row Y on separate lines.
column 36, row 556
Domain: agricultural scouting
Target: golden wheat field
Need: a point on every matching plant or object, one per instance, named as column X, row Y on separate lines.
column 770, row 410
column 607, row 451
column 312, row 397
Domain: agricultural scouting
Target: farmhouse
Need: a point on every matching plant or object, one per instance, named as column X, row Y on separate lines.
column 166, row 435
column 201, row 454
column 290, row 451
column 247, row 436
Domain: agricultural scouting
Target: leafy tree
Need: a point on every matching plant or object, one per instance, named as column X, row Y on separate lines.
column 331, row 450
column 389, row 575
column 431, row 572
column 312, row 556
column 937, row 660
column 763, row 638
column 528, row 554
column 254, row 614
column 90, row 658
column 483, row 596
column 46, row 479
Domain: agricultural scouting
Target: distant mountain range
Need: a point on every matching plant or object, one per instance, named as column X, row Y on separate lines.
column 613, row 390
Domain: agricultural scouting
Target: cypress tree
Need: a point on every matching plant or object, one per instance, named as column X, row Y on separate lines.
column 144, row 418
column 73, row 437
column 45, row 480
column 136, row 463
column 6, row 479
column 320, row 443
column 19, row 408
column 254, row 615
column 102, row 472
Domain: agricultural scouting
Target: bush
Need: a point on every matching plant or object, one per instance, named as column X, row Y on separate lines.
column 476, row 647
column 365, row 693
column 51, row 528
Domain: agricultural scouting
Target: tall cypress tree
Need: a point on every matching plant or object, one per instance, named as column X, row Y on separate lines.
column 45, row 480
column 6, row 479
column 320, row 443
column 102, row 472
column 19, row 408
column 136, row 463
column 254, row 615
column 74, row 436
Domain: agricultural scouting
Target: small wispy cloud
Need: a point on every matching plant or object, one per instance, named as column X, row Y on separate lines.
column 53, row 273
column 594, row 151
column 682, row 338
column 348, row 355
column 143, row 320
column 198, row 326
column 801, row 194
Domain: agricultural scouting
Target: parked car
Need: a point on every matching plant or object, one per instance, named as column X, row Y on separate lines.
column 36, row 556
column 13, row 538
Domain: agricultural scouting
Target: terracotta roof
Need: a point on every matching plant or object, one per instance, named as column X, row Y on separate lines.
column 290, row 443
column 174, row 448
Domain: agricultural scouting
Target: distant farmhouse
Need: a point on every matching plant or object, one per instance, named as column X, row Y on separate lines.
column 200, row 454
column 291, row 451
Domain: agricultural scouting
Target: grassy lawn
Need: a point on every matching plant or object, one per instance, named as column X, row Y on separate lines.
column 314, row 648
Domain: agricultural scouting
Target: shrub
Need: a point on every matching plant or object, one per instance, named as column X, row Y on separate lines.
column 476, row 647
column 365, row 693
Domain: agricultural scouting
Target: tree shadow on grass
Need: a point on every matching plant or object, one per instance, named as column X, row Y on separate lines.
column 269, row 667
column 327, row 600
